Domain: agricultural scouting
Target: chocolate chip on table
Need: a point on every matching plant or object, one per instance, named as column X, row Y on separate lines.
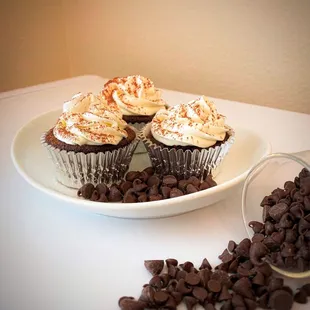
column 171, row 261
column 86, row 190
column 192, row 278
column 182, row 287
column 280, row 300
column 190, row 302
column 129, row 303
column 256, row 226
column 147, row 294
column 200, row 293
column 231, row 246
column 301, row 296
column 224, row 295
column 154, row 266
column 214, row 286
column 205, row 264
column 160, row 297
column 156, row 282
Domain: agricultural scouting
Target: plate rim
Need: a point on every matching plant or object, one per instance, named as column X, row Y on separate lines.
column 117, row 206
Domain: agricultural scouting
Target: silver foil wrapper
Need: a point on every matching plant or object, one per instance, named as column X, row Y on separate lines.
column 185, row 163
column 140, row 149
column 75, row 169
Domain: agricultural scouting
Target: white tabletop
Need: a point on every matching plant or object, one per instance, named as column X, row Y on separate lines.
column 54, row 257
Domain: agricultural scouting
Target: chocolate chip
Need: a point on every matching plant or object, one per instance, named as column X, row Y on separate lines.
column 275, row 284
column 149, row 170
column 153, row 180
column 209, row 306
column 181, row 274
column 114, row 194
column 190, row 302
column 227, row 305
column 281, row 300
column 103, row 198
column 124, row 186
column 153, row 190
column 129, row 197
column 204, row 185
column 192, row 278
column 250, row 304
column 247, row 264
column 301, row 296
column 269, row 228
column 256, row 226
column 86, row 190
column 222, row 266
column 155, row 197
column 277, row 211
column 129, row 303
column 194, row 181
column 288, row 249
column 138, row 185
column 307, row 203
column 144, row 176
column 94, row 196
column 160, row 297
column 289, row 186
column 259, row 279
column 182, row 185
column 172, row 271
column 237, row 301
column 187, row 266
column 177, row 296
column 214, row 286
column 303, row 226
column 205, row 275
column 290, row 262
column 182, row 287
column 190, row 189
column 147, row 294
column 154, row 266
column 142, row 197
column 224, row 295
column 266, row 215
column 278, row 236
column 170, row 304
column 205, row 265
column 233, row 266
column 243, row 248
column 171, row 261
column 258, row 238
column 165, row 191
column 170, row 181
column 243, row 288
column 172, row 285
column 210, row 180
column 290, row 235
column 132, row 175
column 175, row 192
column 102, row 188
column 222, row 277
column 287, row 289
column 156, row 282
column 200, row 293
column 286, row 221
column 257, row 251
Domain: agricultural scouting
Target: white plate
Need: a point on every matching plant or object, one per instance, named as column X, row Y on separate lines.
column 32, row 162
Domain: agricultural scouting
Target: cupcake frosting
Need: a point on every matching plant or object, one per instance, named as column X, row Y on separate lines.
column 89, row 119
column 196, row 123
column 134, row 94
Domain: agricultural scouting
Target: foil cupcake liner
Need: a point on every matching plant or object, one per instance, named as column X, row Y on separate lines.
column 185, row 163
column 75, row 169
column 140, row 149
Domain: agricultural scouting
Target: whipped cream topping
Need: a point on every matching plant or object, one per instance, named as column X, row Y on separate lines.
column 89, row 119
column 134, row 94
column 196, row 123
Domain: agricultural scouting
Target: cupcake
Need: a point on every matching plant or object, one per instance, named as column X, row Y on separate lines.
column 90, row 142
column 137, row 98
column 188, row 139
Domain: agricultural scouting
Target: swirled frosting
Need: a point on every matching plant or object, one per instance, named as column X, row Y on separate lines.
column 89, row 119
column 196, row 123
column 134, row 94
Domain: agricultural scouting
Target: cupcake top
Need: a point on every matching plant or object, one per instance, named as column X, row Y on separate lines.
column 134, row 94
column 196, row 123
column 89, row 119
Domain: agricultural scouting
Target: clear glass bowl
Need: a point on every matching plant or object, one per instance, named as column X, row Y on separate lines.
column 270, row 173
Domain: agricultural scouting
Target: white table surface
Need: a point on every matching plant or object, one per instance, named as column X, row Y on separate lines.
column 54, row 257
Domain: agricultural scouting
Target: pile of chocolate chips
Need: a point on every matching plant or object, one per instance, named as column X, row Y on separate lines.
column 244, row 279
column 285, row 231
column 240, row 282
column 142, row 186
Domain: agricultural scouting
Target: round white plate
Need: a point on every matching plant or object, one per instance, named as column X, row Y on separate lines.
column 32, row 162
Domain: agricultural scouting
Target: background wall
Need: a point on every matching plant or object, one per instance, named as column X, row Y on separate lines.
column 250, row 51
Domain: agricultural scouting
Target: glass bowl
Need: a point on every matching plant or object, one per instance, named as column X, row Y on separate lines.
column 271, row 173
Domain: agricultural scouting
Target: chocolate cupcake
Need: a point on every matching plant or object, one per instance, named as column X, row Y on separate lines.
column 188, row 139
column 90, row 142
column 137, row 99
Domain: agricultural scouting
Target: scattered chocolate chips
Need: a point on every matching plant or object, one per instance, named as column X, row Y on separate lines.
column 143, row 186
column 244, row 279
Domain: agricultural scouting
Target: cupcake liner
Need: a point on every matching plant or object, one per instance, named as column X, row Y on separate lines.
column 75, row 169
column 185, row 163
column 140, row 149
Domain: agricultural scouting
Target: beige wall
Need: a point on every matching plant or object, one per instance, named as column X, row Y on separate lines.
column 33, row 47
column 251, row 51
